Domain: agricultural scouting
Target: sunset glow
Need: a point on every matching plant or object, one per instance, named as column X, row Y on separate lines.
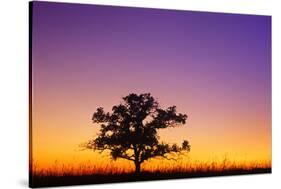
column 216, row 68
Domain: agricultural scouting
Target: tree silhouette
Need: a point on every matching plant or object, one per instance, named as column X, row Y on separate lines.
column 130, row 131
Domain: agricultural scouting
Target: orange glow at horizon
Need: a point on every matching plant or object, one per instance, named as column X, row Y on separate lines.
column 57, row 135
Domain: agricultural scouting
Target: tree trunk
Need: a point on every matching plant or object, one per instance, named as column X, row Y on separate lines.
column 137, row 162
column 138, row 168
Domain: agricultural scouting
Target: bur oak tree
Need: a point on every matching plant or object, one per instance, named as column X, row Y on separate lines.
column 130, row 130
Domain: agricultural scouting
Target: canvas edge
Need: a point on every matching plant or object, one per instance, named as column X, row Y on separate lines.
column 30, row 19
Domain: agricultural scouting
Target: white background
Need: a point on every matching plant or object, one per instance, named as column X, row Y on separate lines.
column 14, row 92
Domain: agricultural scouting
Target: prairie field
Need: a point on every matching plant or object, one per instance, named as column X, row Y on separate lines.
column 89, row 172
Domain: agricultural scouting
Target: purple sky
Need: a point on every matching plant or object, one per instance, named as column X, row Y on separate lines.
column 228, row 50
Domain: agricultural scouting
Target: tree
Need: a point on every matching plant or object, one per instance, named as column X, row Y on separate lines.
column 130, row 131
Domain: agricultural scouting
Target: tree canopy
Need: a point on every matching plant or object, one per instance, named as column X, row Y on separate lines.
column 130, row 130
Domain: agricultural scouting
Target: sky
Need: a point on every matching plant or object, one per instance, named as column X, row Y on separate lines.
column 214, row 67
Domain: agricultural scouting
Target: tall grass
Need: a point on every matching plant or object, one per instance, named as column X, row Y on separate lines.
column 156, row 166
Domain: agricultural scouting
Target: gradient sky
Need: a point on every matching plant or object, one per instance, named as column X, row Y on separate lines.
column 216, row 68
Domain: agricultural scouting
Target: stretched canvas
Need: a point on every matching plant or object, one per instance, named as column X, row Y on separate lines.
column 122, row 94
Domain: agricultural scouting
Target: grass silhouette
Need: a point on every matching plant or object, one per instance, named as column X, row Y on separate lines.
column 65, row 174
